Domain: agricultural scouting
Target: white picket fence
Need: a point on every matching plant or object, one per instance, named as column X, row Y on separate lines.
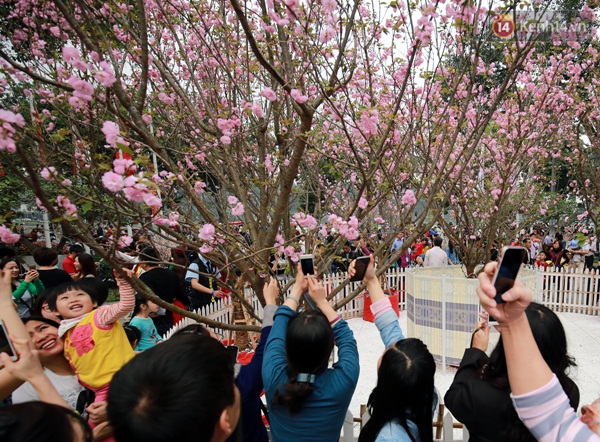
column 566, row 290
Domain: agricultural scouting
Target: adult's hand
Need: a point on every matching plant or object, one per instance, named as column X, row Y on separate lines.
column 28, row 367
column 481, row 336
column 516, row 299
column 316, row 290
column 271, row 291
column 31, row 275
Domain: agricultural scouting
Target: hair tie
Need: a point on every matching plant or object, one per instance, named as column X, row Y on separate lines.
column 305, row 377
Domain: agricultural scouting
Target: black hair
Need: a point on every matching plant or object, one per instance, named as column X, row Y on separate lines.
column 6, row 260
column 40, row 318
column 174, row 391
column 149, row 254
column 45, row 256
column 404, row 391
column 551, row 339
column 133, row 334
column 88, row 264
column 76, row 248
column 437, row 241
column 308, row 344
column 7, row 252
column 196, row 328
column 92, row 286
column 139, row 300
column 40, row 422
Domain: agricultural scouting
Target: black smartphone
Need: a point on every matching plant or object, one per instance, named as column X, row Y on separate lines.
column 6, row 346
column 506, row 273
column 360, row 266
column 233, row 351
column 308, row 265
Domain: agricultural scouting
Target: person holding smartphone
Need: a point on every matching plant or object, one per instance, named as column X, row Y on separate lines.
column 306, row 399
column 537, row 395
column 24, row 290
column 402, row 403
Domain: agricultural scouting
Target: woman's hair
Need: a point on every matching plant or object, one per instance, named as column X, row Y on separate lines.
column 308, row 344
column 5, row 261
column 560, row 246
column 40, row 422
column 88, row 265
column 404, row 391
column 451, row 246
column 40, row 318
column 174, row 391
column 92, row 286
column 551, row 339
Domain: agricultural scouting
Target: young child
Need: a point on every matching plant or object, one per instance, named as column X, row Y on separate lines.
column 142, row 321
column 95, row 343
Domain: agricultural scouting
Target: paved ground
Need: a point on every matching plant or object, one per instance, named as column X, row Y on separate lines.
column 583, row 334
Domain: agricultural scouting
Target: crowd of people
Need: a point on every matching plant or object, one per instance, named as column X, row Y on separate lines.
column 92, row 370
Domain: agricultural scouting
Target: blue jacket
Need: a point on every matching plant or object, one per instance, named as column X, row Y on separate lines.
column 322, row 414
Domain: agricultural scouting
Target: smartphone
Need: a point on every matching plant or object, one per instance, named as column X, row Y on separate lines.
column 233, row 350
column 360, row 266
column 6, row 346
column 307, row 264
column 506, row 273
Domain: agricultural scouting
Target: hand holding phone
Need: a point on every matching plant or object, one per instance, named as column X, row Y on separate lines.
column 507, row 271
column 307, row 264
column 6, row 345
column 360, row 268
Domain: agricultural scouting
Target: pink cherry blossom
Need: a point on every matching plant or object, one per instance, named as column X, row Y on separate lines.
column 105, row 76
column 232, row 199
column 363, row 203
column 49, row 173
column 205, row 248
column 125, row 241
column 207, row 232
column 121, row 166
column 297, row 96
column 379, row 220
column 408, row 199
column 110, row 130
column 113, row 181
column 83, row 89
column 238, row 210
column 269, row 94
column 258, row 111
column 199, row 187
column 8, row 237
column 225, row 139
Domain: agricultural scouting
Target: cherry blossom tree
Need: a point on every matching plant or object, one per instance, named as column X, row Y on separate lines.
column 294, row 117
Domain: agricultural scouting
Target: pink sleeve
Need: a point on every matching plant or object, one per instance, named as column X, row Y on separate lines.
column 381, row 306
column 108, row 314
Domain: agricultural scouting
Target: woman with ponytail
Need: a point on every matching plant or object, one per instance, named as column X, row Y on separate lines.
column 307, row 400
column 402, row 403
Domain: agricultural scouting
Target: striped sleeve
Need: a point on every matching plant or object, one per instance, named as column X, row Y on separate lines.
column 109, row 314
column 549, row 417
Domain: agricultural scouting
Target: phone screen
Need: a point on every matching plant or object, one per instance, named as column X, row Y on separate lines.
column 5, row 343
column 360, row 266
column 233, row 351
column 507, row 271
column 308, row 265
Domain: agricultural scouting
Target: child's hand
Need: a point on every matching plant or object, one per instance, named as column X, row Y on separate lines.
column 97, row 412
column 271, row 291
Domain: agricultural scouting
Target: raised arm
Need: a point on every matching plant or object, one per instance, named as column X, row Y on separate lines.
column 109, row 314
column 539, row 400
column 385, row 317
